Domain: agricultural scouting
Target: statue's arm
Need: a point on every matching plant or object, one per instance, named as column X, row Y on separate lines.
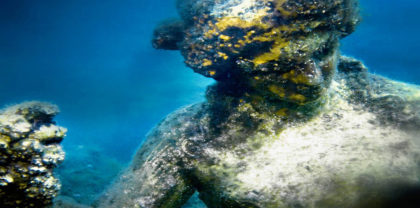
column 155, row 184
column 396, row 103
column 156, row 177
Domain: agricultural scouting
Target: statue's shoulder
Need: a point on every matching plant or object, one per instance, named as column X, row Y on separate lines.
column 180, row 122
column 175, row 129
column 394, row 102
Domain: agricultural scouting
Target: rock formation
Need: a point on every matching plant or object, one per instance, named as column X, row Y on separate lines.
column 29, row 151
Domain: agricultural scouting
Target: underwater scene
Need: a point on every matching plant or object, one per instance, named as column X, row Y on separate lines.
column 210, row 103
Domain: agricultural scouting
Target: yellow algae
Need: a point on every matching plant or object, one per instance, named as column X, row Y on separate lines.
column 275, row 35
column 279, row 7
column 224, row 37
column 262, row 38
column 273, row 55
column 296, row 78
column 223, row 55
column 288, row 74
column 297, row 97
column 284, row 47
column 315, row 24
column 227, row 22
column 300, row 79
column 212, row 73
column 258, row 30
column 250, row 32
column 301, row 87
column 207, row 62
column 282, row 112
column 277, row 90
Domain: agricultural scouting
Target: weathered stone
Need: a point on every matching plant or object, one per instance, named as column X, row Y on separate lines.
column 282, row 127
column 29, row 151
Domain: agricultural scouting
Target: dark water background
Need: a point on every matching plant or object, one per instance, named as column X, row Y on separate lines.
column 94, row 59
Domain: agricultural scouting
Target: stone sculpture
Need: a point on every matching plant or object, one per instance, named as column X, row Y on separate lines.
column 289, row 123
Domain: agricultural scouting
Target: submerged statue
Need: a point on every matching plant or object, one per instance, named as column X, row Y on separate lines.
column 289, row 123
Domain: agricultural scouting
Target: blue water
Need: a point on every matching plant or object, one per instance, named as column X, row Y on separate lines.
column 388, row 39
column 94, row 59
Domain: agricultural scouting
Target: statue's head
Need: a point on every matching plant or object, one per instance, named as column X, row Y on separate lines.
column 282, row 49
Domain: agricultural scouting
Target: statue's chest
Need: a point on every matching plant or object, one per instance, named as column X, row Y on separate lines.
column 309, row 164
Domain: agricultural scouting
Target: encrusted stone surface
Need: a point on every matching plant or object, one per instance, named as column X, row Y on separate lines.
column 348, row 155
column 289, row 123
column 284, row 49
column 29, row 150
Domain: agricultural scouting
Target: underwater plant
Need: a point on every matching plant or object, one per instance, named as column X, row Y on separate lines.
column 289, row 123
column 29, row 151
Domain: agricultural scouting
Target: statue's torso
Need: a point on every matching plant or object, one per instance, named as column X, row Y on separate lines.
column 340, row 158
column 358, row 150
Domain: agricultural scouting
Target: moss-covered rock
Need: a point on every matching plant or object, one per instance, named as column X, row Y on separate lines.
column 29, row 151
